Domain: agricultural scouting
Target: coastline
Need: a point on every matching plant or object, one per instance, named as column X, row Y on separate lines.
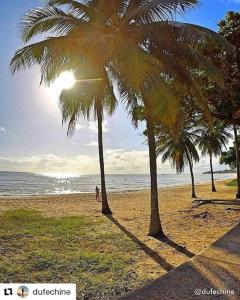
column 111, row 192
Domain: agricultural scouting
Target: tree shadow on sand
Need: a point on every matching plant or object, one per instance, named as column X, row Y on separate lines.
column 201, row 202
column 153, row 254
column 177, row 247
column 225, row 202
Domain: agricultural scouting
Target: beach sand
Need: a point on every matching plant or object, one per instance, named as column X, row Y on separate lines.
column 189, row 229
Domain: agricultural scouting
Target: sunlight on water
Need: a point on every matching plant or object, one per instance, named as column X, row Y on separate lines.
column 14, row 183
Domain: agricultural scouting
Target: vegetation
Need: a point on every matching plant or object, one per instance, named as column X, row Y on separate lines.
column 177, row 145
column 232, row 183
column 224, row 102
column 153, row 59
column 87, row 100
column 85, row 250
column 182, row 80
column 211, row 139
column 229, row 157
column 115, row 38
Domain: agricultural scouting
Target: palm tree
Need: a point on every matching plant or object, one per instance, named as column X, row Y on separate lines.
column 236, row 138
column 91, row 95
column 178, row 146
column 136, row 41
column 211, row 138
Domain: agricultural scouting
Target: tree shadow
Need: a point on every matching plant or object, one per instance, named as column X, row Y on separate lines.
column 214, row 269
column 177, row 247
column 201, row 202
column 224, row 202
column 153, row 254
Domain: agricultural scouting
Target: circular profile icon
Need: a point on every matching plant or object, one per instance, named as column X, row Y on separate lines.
column 22, row 291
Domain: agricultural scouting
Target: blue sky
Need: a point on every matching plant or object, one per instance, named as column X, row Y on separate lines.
column 31, row 135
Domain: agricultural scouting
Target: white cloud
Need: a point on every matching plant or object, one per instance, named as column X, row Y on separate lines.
column 93, row 126
column 2, row 129
column 82, row 164
column 117, row 161
column 92, row 144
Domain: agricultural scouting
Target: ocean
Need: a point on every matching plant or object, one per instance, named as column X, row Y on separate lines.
column 18, row 183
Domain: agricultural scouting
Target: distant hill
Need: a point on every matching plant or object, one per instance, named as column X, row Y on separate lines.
column 221, row 172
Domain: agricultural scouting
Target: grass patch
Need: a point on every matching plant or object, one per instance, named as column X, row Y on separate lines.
column 88, row 251
column 232, row 183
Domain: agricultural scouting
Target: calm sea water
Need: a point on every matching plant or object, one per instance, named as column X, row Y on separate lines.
column 14, row 183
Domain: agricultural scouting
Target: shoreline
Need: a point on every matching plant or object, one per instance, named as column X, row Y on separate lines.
column 110, row 192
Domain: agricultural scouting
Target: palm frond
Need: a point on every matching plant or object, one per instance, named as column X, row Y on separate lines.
column 81, row 9
column 54, row 55
column 155, row 10
column 48, row 20
column 202, row 34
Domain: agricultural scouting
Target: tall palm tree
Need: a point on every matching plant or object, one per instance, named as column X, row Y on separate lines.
column 178, row 147
column 236, row 138
column 137, row 41
column 211, row 139
column 91, row 95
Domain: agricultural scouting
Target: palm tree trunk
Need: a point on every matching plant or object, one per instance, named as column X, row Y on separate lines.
column 211, row 166
column 237, row 161
column 105, row 207
column 155, row 228
column 192, row 175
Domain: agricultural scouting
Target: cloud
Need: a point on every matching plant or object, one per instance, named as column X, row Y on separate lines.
column 2, row 129
column 92, row 126
column 117, row 161
column 92, row 144
column 82, row 164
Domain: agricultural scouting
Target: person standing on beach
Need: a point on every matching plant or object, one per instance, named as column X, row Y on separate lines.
column 97, row 193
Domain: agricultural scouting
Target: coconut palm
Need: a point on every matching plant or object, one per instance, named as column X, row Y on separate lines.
column 91, row 96
column 134, row 41
column 211, row 139
column 177, row 145
column 236, row 142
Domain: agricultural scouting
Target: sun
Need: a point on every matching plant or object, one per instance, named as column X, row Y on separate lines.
column 65, row 81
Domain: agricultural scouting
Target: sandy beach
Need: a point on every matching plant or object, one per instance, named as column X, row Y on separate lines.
column 189, row 229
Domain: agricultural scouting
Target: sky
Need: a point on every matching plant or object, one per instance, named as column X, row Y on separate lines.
column 32, row 137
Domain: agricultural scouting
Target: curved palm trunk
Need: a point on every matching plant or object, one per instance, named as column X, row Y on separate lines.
column 237, row 161
column 105, row 207
column 192, row 175
column 155, row 228
column 212, row 178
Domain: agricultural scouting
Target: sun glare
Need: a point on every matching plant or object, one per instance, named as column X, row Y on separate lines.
column 65, row 81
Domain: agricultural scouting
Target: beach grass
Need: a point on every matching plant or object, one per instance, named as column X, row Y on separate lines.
column 80, row 249
column 232, row 183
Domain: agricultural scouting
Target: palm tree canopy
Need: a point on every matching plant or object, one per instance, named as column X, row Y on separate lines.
column 88, row 94
column 136, row 41
column 211, row 139
column 177, row 146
